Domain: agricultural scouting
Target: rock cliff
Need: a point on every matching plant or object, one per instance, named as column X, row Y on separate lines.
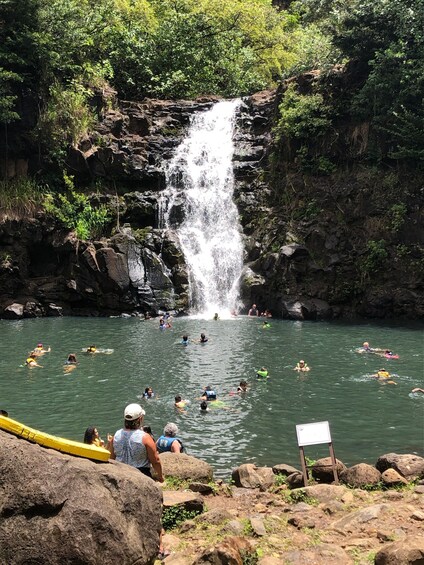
column 317, row 246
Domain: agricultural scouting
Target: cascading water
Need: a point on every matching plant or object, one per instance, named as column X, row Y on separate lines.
column 201, row 176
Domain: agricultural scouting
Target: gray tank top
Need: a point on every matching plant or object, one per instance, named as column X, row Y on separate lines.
column 129, row 448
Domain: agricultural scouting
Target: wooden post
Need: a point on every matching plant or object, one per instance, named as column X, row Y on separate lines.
column 304, row 468
column 334, row 463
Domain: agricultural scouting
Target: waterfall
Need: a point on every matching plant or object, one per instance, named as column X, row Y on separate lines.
column 200, row 183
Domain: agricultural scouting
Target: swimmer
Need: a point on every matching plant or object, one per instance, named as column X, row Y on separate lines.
column 414, row 390
column 32, row 361
column 234, row 313
column 302, row 366
column 265, row 324
column 266, row 314
column 39, row 350
column 91, row 349
column 70, row 363
column 180, row 404
column 242, row 387
column 184, row 340
column 204, row 406
column 208, row 394
column 216, row 317
column 6, row 414
column 203, row 339
column 148, row 393
column 262, row 373
column 383, row 376
column 367, row 349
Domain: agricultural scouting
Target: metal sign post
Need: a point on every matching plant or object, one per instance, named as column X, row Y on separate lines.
column 314, row 434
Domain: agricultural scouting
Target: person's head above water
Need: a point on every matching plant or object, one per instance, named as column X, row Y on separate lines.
column 365, row 344
column 178, row 398
column 203, row 405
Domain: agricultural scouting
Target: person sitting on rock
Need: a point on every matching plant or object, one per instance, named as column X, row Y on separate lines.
column 169, row 440
column 133, row 446
column 91, row 436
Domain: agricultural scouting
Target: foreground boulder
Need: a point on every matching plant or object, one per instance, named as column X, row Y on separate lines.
column 57, row 509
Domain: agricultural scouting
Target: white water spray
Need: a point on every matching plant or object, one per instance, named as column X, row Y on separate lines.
column 201, row 176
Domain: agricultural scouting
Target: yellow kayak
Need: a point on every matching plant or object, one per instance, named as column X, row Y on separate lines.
column 54, row 442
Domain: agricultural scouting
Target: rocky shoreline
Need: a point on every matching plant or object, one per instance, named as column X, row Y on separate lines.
column 57, row 509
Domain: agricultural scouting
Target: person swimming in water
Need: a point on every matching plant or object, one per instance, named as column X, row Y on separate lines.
column 208, row 394
column 216, row 316
column 203, row 339
column 204, row 406
column 32, row 361
column 184, row 340
column 384, row 377
column 302, row 366
column 91, row 349
column 242, row 387
column 266, row 324
column 40, row 350
column 262, row 373
column 148, row 393
column 179, row 403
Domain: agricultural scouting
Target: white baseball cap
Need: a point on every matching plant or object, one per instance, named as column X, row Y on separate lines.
column 133, row 412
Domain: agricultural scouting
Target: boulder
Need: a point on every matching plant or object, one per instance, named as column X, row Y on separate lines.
column 361, row 475
column 250, row 476
column 295, row 480
column 185, row 467
column 283, row 469
column 322, row 469
column 409, row 551
column 57, row 509
column 409, row 466
column 391, row 478
column 355, row 521
column 14, row 311
column 325, row 493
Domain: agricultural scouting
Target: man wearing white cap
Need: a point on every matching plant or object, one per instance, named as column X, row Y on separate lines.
column 135, row 447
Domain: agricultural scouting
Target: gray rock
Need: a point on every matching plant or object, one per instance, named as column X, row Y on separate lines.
column 61, row 509
column 228, row 552
column 258, row 526
column 353, row 521
column 250, row 476
column 190, row 501
column 14, row 311
column 325, row 554
column 409, row 466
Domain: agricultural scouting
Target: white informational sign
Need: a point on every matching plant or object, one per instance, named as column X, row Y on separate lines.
column 313, row 434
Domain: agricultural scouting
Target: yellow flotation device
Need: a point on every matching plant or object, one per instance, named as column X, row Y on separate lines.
column 30, row 360
column 53, row 442
column 383, row 374
column 262, row 373
column 91, row 350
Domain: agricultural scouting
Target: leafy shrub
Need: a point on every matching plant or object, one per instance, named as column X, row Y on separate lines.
column 375, row 256
column 75, row 212
column 397, row 215
column 176, row 515
column 302, row 116
column 20, row 197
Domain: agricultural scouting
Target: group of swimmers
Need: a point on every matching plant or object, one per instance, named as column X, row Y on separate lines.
column 69, row 365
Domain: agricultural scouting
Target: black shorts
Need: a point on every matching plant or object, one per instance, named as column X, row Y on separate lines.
column 145, row 471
